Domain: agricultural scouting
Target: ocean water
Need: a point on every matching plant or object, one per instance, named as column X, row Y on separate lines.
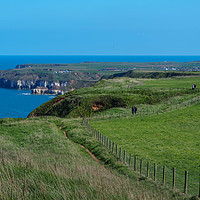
column 19, row 103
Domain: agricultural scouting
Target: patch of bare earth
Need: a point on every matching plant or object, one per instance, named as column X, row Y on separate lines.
column 58, row 102
column 96, row 107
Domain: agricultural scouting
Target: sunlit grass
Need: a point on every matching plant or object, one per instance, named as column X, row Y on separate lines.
column 38, row 162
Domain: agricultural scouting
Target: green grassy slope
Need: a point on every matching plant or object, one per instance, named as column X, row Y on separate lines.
column 121, row 92
column 171, row 138
column 38, row 162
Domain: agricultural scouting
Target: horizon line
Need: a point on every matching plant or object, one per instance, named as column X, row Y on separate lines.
column 99, row 54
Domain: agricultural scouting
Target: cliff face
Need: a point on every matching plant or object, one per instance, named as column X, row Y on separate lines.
column 56, row 78
column 45, row 90
column 27, row 84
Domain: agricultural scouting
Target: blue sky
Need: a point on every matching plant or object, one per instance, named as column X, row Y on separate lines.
column 106, row 27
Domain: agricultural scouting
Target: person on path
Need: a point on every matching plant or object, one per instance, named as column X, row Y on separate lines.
column 192, row 87
column 135, row 109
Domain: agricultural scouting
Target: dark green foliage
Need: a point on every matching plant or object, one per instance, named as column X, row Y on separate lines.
column 133, row 74
column 74, row 105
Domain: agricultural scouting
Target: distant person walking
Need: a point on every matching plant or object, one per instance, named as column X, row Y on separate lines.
column 194, row 86
column 135, row 109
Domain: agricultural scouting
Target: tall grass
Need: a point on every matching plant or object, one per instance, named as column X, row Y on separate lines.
column 38, row 162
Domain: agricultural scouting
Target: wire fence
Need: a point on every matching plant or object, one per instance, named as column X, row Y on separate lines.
column 172, row 178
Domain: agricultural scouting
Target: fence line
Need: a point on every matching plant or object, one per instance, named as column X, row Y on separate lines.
column 151, row 170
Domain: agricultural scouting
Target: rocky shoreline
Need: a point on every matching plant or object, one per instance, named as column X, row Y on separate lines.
column 36, row 87
column 45, row 90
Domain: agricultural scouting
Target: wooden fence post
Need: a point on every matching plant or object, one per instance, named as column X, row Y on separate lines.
column 147, row 169
column 113, row 147
column 173, row 182
column 163, row 175
column 129, row 161
column 186, row 179
column 109, row 145
column 120, row 152
column 155, row 168
column 140, row 166
column 124, row 156
column 116, row 150
column 135, row 163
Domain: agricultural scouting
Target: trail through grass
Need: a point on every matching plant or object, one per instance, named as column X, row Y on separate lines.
column 38, row 162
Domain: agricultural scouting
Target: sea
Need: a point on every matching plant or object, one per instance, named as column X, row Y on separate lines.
column 19, row 103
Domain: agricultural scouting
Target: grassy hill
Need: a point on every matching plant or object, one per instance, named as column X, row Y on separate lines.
column 161, row 133
column 169, row 139
column 39, row 162
column 122, row 93
column 137, row 74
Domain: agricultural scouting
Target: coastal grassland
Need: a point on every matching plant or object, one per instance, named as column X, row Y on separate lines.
column 173, row 83
column 169, row 139
column 122, row 93
column 38, row 162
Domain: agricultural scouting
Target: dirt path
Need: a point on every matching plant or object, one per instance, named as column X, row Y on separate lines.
column 92, row 155
column 95, row 158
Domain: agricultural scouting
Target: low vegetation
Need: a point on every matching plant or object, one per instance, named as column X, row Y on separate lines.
column 39, row 162
column 123, row 92
column 169, row 139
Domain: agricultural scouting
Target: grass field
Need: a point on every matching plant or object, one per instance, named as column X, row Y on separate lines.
column 121, row 93
column 38, row 162
column 172, row 83
column 169, row 139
